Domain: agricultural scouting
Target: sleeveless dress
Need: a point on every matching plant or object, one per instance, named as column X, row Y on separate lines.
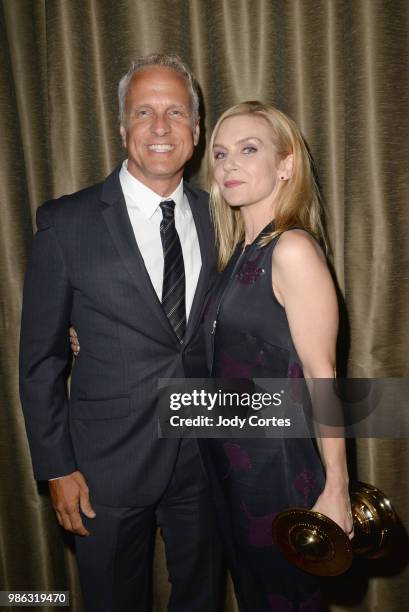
column 253, row 479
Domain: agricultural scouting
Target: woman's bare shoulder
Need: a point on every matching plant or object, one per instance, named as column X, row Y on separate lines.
column 296, row 246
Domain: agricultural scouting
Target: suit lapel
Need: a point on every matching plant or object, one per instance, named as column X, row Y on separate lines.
column 120, row 228
column 201, row 218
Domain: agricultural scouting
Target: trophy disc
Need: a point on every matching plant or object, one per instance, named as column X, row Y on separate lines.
column 375, row 521
column 312, row 541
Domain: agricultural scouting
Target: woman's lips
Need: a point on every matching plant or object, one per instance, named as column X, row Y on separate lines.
column 230, row 184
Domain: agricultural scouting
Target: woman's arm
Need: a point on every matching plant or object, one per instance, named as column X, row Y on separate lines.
column 303, row 285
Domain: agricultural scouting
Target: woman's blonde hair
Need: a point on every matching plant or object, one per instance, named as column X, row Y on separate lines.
column 297, row 203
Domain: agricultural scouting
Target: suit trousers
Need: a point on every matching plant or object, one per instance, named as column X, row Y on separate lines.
column 115, row 560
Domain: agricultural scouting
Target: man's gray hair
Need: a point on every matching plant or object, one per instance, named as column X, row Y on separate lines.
column 173, row 62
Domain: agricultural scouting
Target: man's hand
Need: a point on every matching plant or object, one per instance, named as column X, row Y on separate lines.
column 75, row 345
column 69, row 494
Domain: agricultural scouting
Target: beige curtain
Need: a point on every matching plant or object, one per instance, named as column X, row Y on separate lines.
column 340, row 69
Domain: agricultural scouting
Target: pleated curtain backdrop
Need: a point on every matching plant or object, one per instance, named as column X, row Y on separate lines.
column 340, row 69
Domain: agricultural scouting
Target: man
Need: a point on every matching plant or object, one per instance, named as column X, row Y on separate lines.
column 128, row 263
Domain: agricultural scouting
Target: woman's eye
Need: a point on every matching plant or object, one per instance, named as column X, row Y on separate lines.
column 249, row 149
column 218, row 155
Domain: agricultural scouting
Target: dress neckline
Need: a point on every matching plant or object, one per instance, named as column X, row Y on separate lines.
column 264, row 232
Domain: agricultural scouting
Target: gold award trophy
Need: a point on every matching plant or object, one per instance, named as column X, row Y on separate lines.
column 315, row 543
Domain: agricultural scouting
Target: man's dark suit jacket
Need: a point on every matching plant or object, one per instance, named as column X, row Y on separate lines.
column 86, row 270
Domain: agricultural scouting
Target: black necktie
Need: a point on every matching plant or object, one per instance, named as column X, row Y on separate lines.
column 173, row 289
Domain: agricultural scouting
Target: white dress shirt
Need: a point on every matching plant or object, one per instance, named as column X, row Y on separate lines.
column 145, row 215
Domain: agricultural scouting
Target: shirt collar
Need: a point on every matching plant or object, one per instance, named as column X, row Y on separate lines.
column 138, row 195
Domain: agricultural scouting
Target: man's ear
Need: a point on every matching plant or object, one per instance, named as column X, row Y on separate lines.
column 196, row 132
column 122, row 131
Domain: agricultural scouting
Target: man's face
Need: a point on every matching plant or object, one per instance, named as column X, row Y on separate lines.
column 159, row 135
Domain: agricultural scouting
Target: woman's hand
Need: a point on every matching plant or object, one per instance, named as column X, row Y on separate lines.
column 337, row 506
column 75, row 345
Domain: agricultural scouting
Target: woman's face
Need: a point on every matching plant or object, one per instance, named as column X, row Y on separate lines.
column 247, row 168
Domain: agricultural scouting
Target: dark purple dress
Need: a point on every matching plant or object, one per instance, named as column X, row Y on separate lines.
column 254, row 479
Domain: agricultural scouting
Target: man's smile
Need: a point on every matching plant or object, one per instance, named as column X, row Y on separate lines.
column 161, row 148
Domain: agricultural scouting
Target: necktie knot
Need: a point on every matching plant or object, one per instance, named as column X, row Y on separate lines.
column 168, row 210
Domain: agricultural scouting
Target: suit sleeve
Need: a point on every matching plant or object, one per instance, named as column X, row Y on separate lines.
column 45, row 352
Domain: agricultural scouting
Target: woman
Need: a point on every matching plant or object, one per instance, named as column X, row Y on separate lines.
column 273, row 313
